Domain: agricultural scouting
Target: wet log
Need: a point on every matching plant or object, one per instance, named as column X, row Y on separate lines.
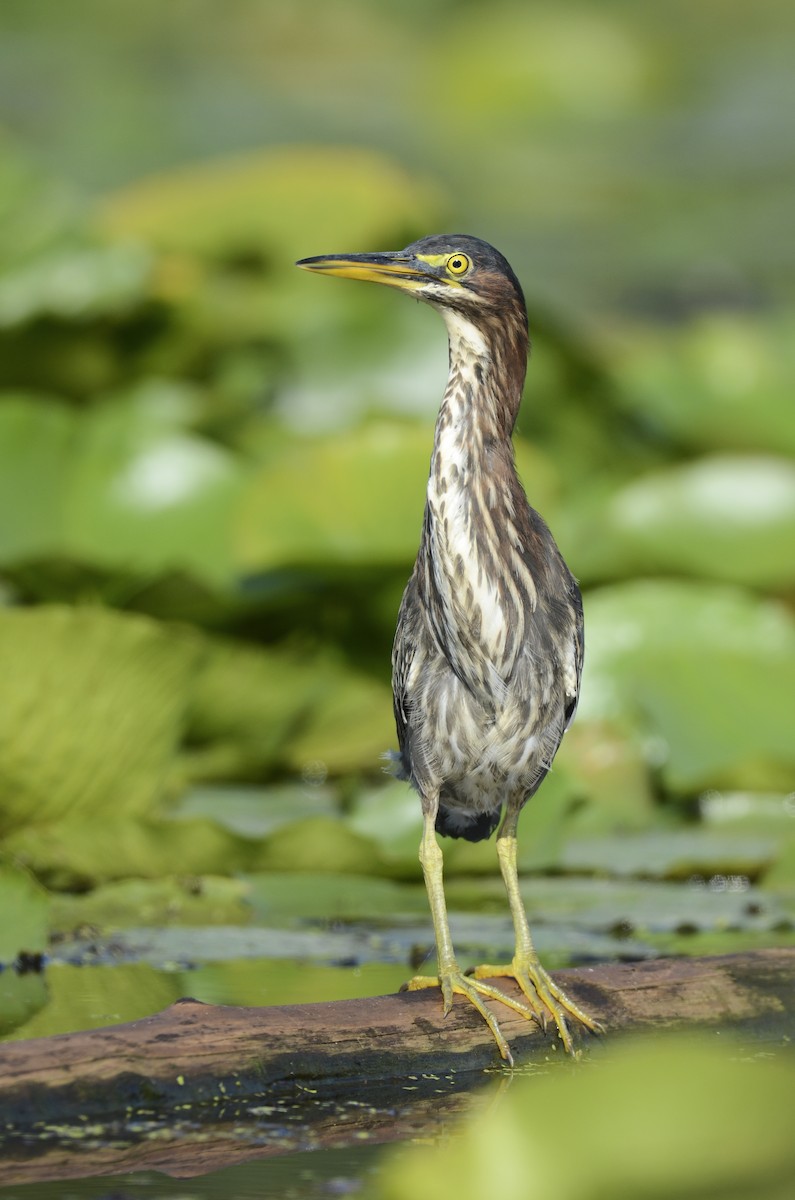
column 194, row 1055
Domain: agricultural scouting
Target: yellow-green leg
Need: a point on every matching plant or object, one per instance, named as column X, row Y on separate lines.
column 451, row 978
column 544, row 996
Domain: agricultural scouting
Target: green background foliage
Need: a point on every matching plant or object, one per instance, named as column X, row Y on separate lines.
column 212, row 466
column 212, row 470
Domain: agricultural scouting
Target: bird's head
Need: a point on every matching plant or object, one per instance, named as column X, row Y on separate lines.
column 460, row 275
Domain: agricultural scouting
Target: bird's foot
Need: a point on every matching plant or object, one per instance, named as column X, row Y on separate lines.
column 545, row 998
column 455, row 982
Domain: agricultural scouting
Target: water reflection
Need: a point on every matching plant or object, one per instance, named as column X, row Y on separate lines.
column 306, row 1144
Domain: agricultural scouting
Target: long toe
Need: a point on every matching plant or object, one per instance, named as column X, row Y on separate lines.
column 455, row 982
column 533, row 979
column 538, row 1009
column 573, row 1009
column 547, row 1001
column 477, row 992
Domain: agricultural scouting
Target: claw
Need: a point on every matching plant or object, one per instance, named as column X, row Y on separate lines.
column 546, row 999
column 456, row 982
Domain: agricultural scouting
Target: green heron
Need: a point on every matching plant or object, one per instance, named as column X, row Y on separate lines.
column 489, row 644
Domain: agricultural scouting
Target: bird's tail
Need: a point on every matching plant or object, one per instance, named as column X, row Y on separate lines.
column 474, row 827
column 452, row 819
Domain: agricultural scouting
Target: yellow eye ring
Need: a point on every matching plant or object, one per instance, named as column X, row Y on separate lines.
column 458, row 264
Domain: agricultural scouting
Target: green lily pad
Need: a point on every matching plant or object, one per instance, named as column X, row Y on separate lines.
column 323, row 896
column 781, row 876
column 717, row 904
column 357, row 497
column 477, row 938
column 723, row 381
column 92, row 705
column 21, row 997
column 391, row 816
column 317, row 844
column 263, row 981
column 700, row 944
column 245, row 703
column 36, row 438
column 348, row 732
column 608, row 778
column 115, row 994
column 76, row 283
column 704, row 673
column 751, row 812
column 253, row 708
column 268, row 201
column 156, row 505
column 254, row 812
column 351, row 497
column 122, row 486
column 187, row 900
column 713, row 1121
column 678, row 854
column 723, row 518
column 27, row 908
column 73, row 854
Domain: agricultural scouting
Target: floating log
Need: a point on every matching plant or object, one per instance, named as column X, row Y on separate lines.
column 325, row 1074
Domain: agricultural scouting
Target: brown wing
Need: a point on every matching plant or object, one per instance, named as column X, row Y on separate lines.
column 404, row 650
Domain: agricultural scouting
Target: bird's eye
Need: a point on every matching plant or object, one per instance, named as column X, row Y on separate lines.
column 458, row 264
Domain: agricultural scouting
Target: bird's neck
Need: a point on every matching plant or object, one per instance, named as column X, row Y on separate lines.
column 472, row 510
column 484, row 386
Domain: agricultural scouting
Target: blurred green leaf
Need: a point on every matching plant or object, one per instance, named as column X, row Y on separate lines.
column 348, row 732
column 254, row 708
column 724, row 518
column 685, row 941
column 92, row 705
column 280, row 981
column 78, row 283
column 27, row 909
column 21, row 997
column 327, row 897
column 187, row 900
column 749, row 812
column 674, row 854
column 608, row 774
column 121, row 486
column 74, row 854
column 626, row 906
column 712, row 1122
column 391, row 815
column 270, row 202
column 245, row 704
column 318, row 844
column 36, row 440
column 37, row 213
column 554, row 62
column 255, row 811
column 354, row 497
column 154, row 507
column 124, row 992
column 722, row 381
column 704, row 673
column 781, row 876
